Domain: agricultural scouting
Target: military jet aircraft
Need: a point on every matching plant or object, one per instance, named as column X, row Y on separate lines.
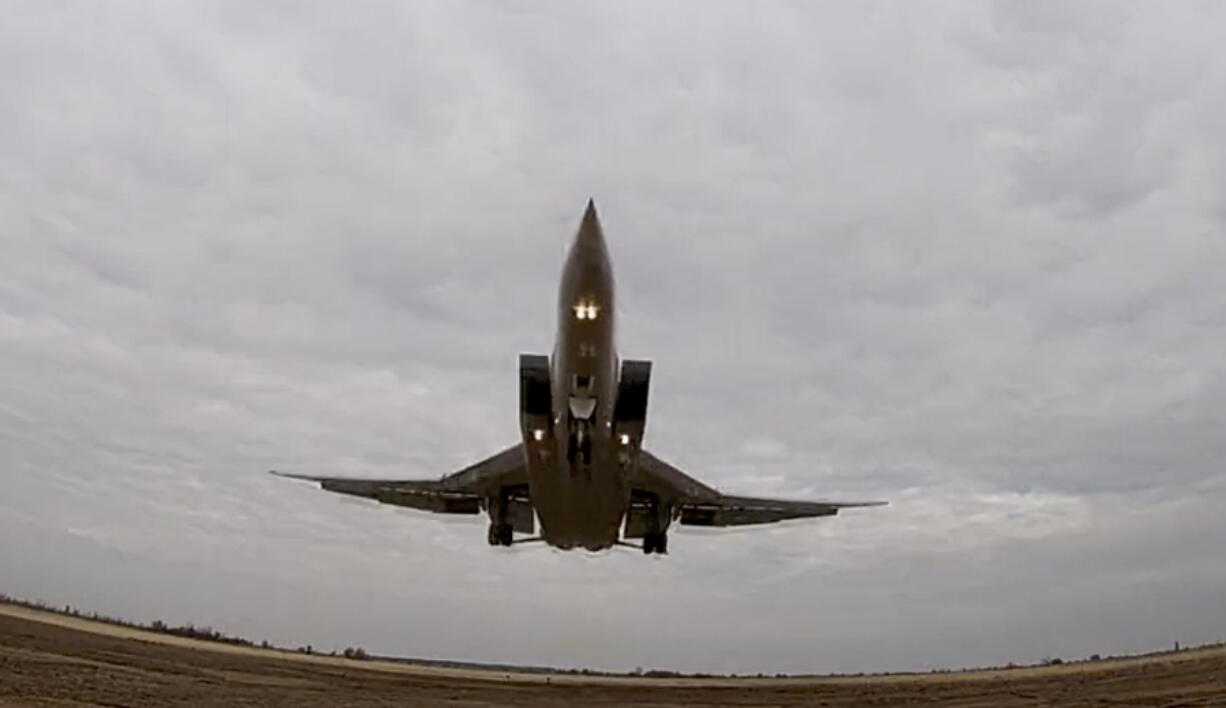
column 580, row 468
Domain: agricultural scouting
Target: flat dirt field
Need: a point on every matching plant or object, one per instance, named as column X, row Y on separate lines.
column 53, row 660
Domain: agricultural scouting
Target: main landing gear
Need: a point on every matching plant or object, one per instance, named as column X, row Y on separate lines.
column 500, row 535
column 656, row 542
column 501, row 532
column 655, row 535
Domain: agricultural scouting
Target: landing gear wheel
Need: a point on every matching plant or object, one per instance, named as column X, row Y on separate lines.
column 500, row 535
column 655, row 543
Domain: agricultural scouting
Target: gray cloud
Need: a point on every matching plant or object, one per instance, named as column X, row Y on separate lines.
column 963, row 257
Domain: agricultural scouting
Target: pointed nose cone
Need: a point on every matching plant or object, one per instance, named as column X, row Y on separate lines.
column 590, row 236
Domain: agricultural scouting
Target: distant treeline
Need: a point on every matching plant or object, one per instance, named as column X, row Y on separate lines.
column 189, row 631
column 209, row 634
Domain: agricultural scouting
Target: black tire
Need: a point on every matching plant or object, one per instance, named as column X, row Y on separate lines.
column 500, row 535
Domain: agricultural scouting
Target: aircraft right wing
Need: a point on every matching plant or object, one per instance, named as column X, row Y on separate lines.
column 698, row 504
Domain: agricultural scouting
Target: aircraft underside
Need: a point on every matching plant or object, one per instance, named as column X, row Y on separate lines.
column 579, row 469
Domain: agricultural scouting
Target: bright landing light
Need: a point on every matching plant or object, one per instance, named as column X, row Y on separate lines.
column 538, row 434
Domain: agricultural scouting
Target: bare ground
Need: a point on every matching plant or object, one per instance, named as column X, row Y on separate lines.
column 53, row 660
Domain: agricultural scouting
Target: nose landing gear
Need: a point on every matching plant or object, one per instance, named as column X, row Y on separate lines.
column 579, row 444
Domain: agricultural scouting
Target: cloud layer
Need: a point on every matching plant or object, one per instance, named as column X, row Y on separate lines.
column 965, row 257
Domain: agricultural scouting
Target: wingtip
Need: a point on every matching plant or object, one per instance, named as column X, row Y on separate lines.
column 287, row 475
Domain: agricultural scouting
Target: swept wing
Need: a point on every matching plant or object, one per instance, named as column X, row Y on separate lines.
column 502, row 476
column 697, row 504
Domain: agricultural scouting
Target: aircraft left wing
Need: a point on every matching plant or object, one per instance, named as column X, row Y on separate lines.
column 462, row 492
column 697, row 504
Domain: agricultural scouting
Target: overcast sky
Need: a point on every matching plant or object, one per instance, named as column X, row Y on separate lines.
column 967, row 257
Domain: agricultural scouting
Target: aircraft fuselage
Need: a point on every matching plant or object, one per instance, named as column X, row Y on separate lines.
column 576, row 472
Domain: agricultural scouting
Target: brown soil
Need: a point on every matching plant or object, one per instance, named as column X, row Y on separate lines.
column 53, row 660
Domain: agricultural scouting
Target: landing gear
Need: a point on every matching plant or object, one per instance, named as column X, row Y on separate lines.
column 579, row 445
column 648, row 518
column 655, row 540
column 500, row 535
column 655, row 543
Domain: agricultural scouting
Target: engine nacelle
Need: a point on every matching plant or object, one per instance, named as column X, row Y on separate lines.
column 536, row 409
column 630, row 412
column 535, row 396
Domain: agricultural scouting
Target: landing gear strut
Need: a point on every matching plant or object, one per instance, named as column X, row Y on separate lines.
column 579, row 446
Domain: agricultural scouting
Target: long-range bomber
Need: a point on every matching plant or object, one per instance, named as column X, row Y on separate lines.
column 580, row 468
